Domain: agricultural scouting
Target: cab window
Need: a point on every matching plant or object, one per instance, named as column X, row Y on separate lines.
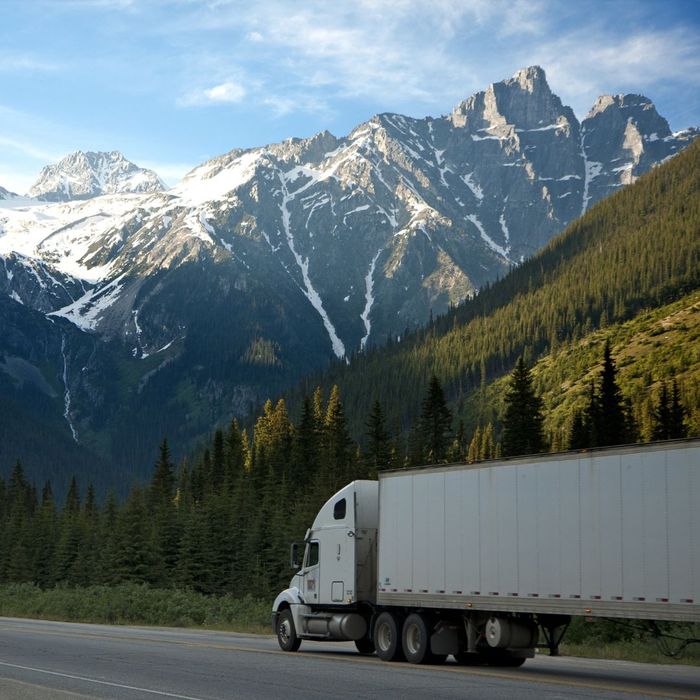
column 311, row 554
column 339, row 509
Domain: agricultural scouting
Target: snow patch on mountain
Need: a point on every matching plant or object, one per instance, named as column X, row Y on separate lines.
column 85, row 312
column 369, row 300
column 303, row 263
column 215, row 179
column 503, row 252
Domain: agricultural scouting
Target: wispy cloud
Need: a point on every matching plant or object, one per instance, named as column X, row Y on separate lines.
column 587, row 63
column 27, row 149
column 228, row 92
column 14, row 62
column 362, row 50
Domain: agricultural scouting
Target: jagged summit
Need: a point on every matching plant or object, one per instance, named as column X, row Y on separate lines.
column 524, row 101
column 530, row 78
column 83, row 175
column 637, row 109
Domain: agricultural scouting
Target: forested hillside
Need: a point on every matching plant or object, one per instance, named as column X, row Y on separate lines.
column 622, row 283
column 633, row 252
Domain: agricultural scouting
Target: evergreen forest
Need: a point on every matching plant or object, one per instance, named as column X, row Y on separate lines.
column 592, row 342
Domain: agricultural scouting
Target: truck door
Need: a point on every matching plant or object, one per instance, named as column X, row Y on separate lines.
column 338, row 540
column 311, row 572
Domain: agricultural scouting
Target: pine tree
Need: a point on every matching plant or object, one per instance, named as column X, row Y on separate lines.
column 163, row 513
column 677, row 425
column 44, row 536
column 579, row 435
column 435, row 424
column 135, row 557
column 218, row 462
column 235, row 459
column 162, row 487
column 378, row 451
column 339, row 449
column 306, row 444
column 662, row 415
column 522, row 421
column 473, row 454
column 487, row 447
column 613, row 423
column 70, row 538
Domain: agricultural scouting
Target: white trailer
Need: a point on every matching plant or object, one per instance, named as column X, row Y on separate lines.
column 488, row 561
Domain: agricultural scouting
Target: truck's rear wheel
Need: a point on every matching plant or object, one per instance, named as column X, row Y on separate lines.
column 387, row 639
column 286, row 633
column 416, row 640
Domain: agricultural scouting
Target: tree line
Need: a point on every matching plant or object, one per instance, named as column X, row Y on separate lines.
column 222, row 521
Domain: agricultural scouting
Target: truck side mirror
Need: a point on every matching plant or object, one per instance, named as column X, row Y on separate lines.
column 294, row 556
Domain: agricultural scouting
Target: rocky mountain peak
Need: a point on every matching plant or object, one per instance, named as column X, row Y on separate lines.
column 615, row 111
column 531, row 79
column 6, row 194
column 87, row 174
column 524, row 102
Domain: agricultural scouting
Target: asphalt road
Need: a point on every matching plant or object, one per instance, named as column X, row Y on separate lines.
column 58, row 661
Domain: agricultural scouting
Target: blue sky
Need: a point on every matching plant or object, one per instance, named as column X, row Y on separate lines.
column 172, row 83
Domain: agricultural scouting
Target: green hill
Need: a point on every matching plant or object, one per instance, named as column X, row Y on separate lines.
column 636, row 252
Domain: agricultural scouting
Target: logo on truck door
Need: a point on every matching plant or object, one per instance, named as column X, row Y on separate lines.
column 310, row 584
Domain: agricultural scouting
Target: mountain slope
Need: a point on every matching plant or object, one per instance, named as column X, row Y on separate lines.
column 91, row 174
column 266, row 264
column 639, row 249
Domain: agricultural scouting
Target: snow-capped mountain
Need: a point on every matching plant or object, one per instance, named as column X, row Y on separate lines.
column 91, row 174
column 174, row 309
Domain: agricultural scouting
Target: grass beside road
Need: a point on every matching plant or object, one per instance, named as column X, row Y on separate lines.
column 642, row 652
column 630, row 641
column 136, row 604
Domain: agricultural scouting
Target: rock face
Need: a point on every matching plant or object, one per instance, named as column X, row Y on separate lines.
column 265, row 264
column 622, row 137
column 6, row 194
column 85, row 175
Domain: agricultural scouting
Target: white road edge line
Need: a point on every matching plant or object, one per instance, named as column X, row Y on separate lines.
column 94, row 680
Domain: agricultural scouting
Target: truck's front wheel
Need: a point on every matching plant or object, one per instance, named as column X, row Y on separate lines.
column 387, row 638
column 286, row 632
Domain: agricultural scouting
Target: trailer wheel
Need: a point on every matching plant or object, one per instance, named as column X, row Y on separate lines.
column 286, row 633
column 387, row 639
column 416, row 640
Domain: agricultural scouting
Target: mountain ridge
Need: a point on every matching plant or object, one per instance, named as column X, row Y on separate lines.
column 264, row 264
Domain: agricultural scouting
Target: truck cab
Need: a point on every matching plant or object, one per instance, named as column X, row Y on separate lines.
column 338, row 569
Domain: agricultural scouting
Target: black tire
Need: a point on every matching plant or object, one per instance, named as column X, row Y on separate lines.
column 387, row 638
column 286, row 633
column 415, row 639
column 365, row 646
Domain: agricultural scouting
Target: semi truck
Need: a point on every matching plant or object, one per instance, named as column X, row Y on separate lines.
column 489, row 561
